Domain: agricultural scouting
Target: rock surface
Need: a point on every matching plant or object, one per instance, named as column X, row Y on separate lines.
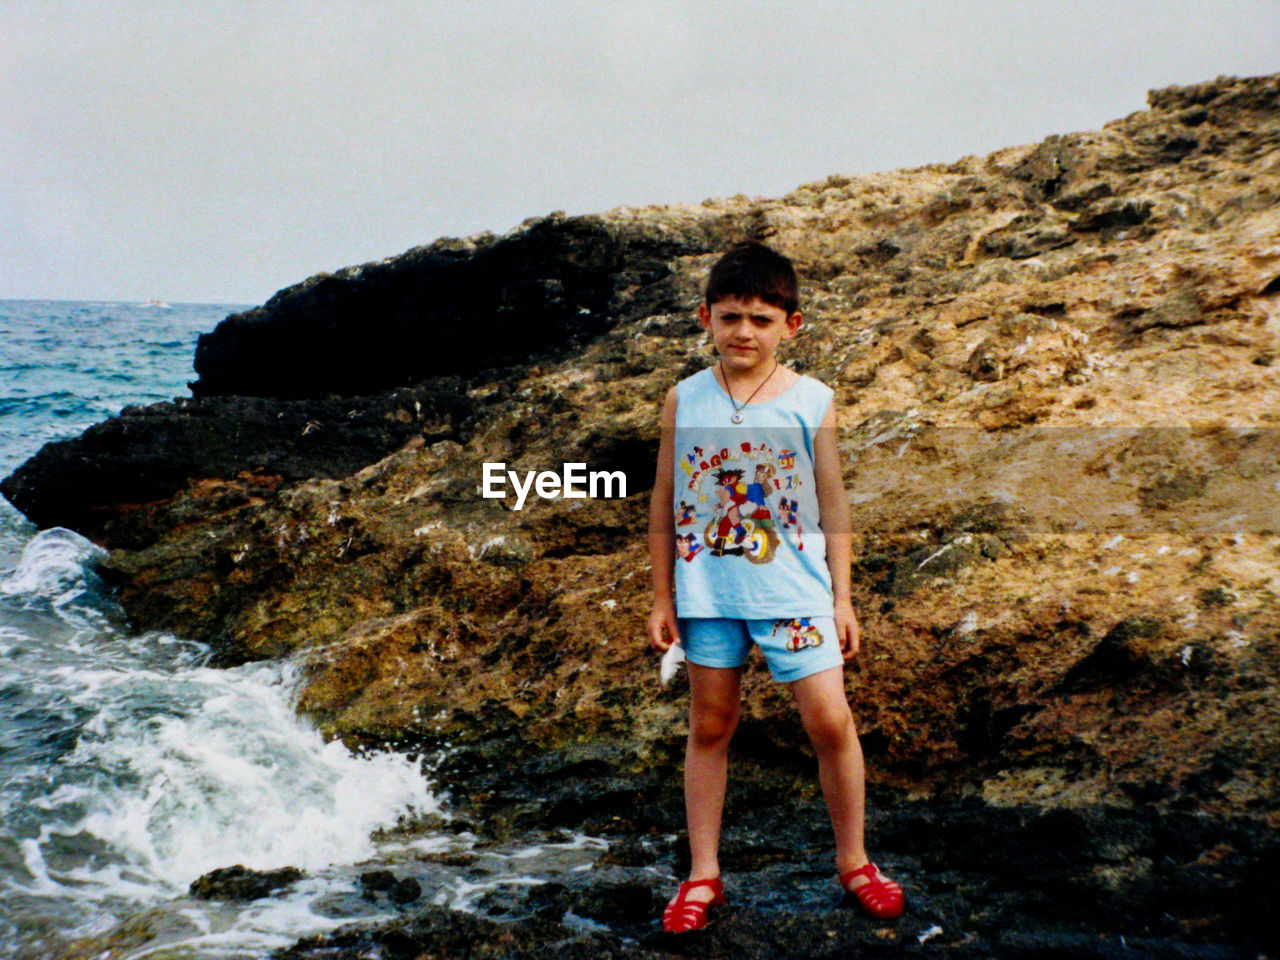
column 241, row 883
column 456, row 306
column 1056, row 371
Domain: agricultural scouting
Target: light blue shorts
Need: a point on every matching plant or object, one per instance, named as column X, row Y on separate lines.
column 793, row 648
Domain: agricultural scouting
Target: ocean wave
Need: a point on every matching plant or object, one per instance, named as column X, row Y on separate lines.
column 178, row 771
column 56, row 569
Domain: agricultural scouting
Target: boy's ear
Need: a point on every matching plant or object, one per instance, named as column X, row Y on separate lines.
column 704, row 315
column 792, row 325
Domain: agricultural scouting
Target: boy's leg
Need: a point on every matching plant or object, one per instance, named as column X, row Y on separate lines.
column 714, row 703
column 824, row 711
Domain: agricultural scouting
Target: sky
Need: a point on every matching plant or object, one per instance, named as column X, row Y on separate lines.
column 218, row 151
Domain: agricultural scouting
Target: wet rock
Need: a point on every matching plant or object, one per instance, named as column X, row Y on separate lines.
column 384, row 883
column 438, row 932
column 241, row 883
column 989, row 881
column 373, row 882
column 405, row 890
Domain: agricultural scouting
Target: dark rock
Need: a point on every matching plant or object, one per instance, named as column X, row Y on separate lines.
column 1174, row 488
column 452, row 307
column 100, row 482
column 405, row 890
column 1113, row 213
column 986, row 362
column 1026, row 236
column 1055, row 163
column 376, row 881
column 1116, row 658
column 928, row 563
column 1083, row 195
column 1220, row 596
column 241, row 883
column 1178, row 309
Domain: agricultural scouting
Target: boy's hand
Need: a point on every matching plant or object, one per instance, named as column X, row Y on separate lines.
column 847, row 630
column 663, row 631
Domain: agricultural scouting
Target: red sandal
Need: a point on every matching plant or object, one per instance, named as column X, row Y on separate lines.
column 683, row 915
column 879, row 896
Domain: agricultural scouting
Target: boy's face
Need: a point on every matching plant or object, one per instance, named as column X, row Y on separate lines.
column 747, row 332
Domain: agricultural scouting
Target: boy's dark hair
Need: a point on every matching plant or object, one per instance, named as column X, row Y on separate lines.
column 750, row 269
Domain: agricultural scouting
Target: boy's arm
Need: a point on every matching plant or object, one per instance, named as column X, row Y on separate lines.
column 662, row 621
column 837, row 529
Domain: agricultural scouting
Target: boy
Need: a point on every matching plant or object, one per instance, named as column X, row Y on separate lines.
column 750, row 416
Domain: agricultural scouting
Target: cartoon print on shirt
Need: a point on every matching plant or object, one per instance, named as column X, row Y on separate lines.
column 789, row 514
column 730, row 533
column 758, row 491
column 801, row 633
column 688, row 546
column 732, row 489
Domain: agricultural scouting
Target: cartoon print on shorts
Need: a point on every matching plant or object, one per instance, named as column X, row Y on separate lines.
column 801, row 633
column 686, row 514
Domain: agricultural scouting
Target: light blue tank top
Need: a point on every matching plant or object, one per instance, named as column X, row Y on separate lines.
column 748, row 544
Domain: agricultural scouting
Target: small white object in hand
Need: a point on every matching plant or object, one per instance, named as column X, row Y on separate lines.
column 671, row 661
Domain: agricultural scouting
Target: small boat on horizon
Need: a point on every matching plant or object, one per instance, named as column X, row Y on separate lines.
column 158, row 304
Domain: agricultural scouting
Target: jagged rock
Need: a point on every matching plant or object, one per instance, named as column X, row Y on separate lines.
column 995, row 880
column 241, row 883
column 1117, row 657
column 376, row 881
column 454, row 307
column 406, row 890
column 105, row 481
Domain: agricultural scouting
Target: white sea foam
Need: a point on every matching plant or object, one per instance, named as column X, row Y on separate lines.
column 235, row 778
column 56, row 571
column 175, row 771
column 52, row 564
column 126, row 767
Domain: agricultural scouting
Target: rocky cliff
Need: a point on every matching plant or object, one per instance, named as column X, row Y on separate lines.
column 1056, row 373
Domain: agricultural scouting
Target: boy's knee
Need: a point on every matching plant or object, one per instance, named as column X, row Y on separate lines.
column 712, row 727
column 831, row 730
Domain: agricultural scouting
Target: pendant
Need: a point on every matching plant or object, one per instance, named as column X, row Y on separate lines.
column 736, row 418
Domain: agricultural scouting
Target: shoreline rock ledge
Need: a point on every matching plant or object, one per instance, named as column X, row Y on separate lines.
column 1057, row 371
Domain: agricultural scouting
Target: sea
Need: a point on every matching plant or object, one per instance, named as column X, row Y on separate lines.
column 128, row 767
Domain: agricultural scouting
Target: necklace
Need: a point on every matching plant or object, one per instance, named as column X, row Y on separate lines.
column 738, row 407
